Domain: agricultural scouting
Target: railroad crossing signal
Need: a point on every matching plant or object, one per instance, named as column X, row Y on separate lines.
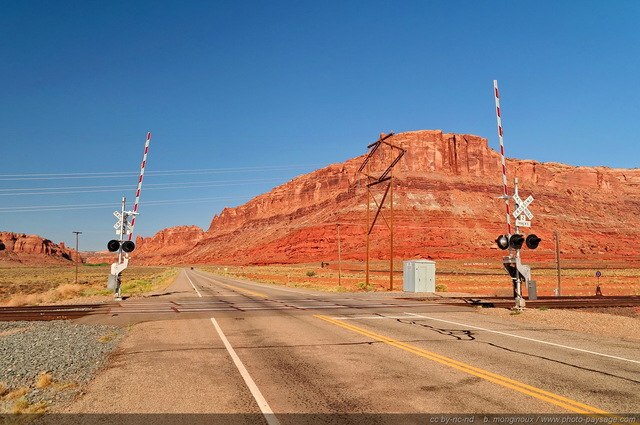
column 502, row 241
column 115, row 246
column 516, row 241
column 532, row 241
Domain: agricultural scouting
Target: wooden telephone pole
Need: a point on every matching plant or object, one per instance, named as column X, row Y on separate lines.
column 385, row 177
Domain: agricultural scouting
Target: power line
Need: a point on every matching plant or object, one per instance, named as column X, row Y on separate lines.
column 44, row 208
column 121, row 174
column 154, row 186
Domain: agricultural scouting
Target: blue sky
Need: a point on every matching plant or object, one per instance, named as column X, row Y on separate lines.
column 258, row 92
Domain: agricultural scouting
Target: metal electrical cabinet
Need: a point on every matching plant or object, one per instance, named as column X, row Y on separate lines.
column 419, row 276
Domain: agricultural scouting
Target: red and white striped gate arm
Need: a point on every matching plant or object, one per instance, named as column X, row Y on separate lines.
column 502, row 159
column 144, row 163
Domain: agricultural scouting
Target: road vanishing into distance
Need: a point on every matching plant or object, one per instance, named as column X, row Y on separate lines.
column 214, row 344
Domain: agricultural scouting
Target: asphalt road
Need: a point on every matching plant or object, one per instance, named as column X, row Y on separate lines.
column 213, row 344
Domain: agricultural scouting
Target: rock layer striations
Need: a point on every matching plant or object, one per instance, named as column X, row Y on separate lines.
column 446, row 205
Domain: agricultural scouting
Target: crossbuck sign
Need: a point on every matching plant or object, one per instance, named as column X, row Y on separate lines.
column 522, row 209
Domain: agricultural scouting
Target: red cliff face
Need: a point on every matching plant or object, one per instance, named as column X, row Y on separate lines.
column 169, row 245
column 445, row 206
column 21, row 248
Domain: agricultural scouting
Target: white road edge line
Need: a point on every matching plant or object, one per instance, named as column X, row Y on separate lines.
column 194, row 286
column 526, row 338
column 257, row 395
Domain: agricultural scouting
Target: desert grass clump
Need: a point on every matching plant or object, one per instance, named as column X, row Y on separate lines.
column 44, row 380
column 22, row 406
column 441, row 287
column 15, row 394
column 19, row 300
column 68, row 290
column 108, row 337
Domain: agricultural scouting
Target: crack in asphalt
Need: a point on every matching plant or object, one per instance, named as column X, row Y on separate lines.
column 460, row 335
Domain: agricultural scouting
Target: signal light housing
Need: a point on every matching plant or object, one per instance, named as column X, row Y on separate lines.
column 113, row 245
column 128, row 246
column 502, row 241
column 532, row 241
column 516, row 241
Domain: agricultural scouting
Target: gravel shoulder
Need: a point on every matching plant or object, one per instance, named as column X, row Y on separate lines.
column 42, row 363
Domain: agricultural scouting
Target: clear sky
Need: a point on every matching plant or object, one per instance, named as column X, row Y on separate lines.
column 241, row 96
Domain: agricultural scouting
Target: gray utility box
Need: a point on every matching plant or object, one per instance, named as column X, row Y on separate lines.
column 419, row 276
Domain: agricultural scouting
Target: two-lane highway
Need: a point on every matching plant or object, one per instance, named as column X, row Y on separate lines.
column 290, row 351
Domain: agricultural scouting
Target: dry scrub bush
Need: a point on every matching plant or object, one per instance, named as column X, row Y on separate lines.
column 20, row 406
column 108, row 337
column 17, row 393
column 64, row 291
column 44, row 380
column 20, row 300
column 68, row 290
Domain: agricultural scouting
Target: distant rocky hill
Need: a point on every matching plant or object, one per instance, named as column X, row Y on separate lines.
column 32, row 249
column 446, row 205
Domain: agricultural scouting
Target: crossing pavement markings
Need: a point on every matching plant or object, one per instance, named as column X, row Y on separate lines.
column 244, row 305
column 538, row 393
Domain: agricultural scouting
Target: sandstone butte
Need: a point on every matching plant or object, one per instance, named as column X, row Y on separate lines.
column 32, row 249
column 445, row 207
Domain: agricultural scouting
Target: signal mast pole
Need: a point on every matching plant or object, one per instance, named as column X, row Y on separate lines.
column 518, row 282
column 77, row 255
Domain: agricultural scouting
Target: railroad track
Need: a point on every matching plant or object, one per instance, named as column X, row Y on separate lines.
column 75, row 311
column 557, row 302
column 49, row 312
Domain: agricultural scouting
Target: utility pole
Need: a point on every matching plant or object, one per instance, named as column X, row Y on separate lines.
column 559, row 286
column 391, row 231
column 395, row 153
column 339, row 259
column 77, row 255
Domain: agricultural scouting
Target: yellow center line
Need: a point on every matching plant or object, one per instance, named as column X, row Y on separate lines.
column 489, row 376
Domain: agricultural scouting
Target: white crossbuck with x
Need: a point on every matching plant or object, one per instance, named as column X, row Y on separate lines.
column 522, row 206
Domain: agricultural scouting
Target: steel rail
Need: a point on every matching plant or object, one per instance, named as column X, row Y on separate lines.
column 557, row 302
column 50, row 312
